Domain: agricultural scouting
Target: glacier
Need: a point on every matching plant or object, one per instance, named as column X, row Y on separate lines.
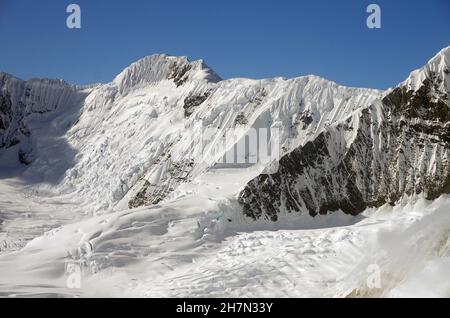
column 102, row 177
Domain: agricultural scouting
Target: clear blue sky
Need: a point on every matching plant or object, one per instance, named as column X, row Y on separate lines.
column 237, row 38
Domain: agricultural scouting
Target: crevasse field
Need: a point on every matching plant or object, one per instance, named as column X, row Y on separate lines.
column 186, row 248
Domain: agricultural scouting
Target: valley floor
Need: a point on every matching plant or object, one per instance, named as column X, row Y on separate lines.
column 197, row 244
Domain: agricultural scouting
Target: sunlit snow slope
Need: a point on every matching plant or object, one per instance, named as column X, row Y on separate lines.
column 103, row 178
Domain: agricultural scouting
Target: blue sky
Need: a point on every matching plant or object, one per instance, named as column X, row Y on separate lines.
column 245, row 38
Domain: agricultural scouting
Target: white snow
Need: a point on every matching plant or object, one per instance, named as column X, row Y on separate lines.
column 189, row 248
column 438, row 65
column 98, row 145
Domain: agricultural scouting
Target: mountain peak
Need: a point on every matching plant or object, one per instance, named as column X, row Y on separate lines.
column 437, row 67
column 159, row 67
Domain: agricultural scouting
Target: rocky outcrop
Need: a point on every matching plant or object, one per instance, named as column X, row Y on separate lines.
column 194, row 100
column 6, row 120
column 156, row 190
column 179, row 73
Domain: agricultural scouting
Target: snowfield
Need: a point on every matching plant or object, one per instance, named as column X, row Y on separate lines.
column 189, row 248
column 100, row 194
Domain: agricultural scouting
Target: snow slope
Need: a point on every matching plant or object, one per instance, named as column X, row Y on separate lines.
column 103, row 149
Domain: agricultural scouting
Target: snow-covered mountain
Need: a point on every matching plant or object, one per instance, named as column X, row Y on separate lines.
column 108, row 177
column 343, row 148
column 395, row 146
column 132, row 136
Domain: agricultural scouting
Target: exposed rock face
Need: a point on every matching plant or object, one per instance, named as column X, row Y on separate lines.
column 192, row 101
column 240, row 119
column 178, row 73
column 397, row 146
column 154, row 192
column 6, row 120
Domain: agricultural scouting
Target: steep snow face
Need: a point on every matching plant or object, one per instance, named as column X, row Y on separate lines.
column 129, row 142
column 126, row 129
column 97, row 141
column 397, row 146
column 21, row 103
column 298, row 109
